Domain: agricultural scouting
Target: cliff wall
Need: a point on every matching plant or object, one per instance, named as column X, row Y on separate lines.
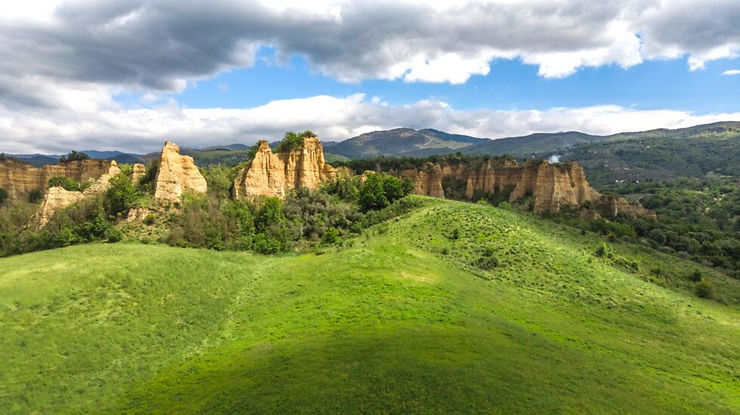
column 273, row 174
column 552, row 186
column 57, row 198
column 19, row 178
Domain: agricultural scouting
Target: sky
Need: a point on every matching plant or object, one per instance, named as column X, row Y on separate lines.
column 129, row 74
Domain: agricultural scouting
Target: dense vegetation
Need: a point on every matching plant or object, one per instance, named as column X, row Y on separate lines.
column 449, row 308
column 74, row 156
column 385, row 164
column 292, row 141
column 214, row 220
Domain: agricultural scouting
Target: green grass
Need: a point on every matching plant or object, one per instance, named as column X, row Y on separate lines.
column 401, row 321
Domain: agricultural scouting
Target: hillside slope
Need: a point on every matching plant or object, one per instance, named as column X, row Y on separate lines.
column 402, row 142
column 415, row 316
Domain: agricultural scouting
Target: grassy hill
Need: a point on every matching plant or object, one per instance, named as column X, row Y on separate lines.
column 451, row 308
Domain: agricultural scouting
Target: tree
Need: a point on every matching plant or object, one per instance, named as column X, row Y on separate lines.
column 120, row 196
column 393, row 188
column 292, row 141
column 3, row 195
column 74, row 156
column 372, row 194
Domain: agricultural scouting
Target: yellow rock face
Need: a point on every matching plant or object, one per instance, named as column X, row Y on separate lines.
column 552, row 186
column 139, row 171
column 19, row 179
column 272, row 174
column 57, row 198
column 177, row 175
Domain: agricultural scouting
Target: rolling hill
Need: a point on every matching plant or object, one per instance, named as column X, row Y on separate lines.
column 451, row 308
column 402, row 142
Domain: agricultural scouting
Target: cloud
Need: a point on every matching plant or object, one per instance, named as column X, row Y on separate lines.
column 731, row 72
column 107, row 126
column 163, row 45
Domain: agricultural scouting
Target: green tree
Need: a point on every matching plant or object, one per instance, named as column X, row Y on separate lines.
column 3, row 195
column 372, row 194
column 120, row 196
column 74, row 156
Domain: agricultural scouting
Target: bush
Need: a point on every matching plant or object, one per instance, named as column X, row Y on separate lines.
column 119, row 197
column 704, row 289
column 150, row 218
column 35, row 196
column 146, row 183
column 292, row 141
column 3, row 195
column 602, row 251
column 67, row 183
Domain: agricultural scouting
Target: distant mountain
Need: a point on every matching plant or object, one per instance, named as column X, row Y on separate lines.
column 402, row 142
column 407, row 142
column 532, row 144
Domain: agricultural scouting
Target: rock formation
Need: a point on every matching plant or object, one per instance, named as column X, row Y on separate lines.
column 20, row 179
column 273, row 174
column 552, row 186
column 139, row 170
column 57, row 198
column 177, row 175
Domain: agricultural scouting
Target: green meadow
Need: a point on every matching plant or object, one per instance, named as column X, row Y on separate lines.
column 451, row 308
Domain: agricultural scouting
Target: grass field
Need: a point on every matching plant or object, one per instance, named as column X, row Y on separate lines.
column 411, row 317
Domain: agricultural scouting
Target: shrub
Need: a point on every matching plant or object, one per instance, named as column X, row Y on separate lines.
column 113, row 234
column 3, row 195
column 146, row 184
column 119, row 197
column 331, row 236
column 486, row 263
column 695, row 276
column 602, row 251
column 292, row 141
column 704, row 289
column 35, row 196
column 67, row 183
column 150, row 218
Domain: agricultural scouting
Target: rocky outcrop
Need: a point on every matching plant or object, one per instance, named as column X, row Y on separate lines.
column 138, row 172
column 177, row 175
column 20, row 179
column 273, row 174
column 616, row 205
column 57, row 198
column 551, row 186
column 427, row 180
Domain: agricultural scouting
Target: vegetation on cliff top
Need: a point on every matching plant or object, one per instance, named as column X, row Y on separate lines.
column 413, row 315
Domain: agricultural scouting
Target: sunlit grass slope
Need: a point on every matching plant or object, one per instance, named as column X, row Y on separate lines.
column 408, row 319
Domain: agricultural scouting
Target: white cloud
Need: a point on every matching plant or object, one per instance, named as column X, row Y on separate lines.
column 107, row 126
column 157, row 44
column 731, row 72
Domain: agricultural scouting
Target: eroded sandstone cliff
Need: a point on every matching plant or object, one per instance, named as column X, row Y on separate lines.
column 273, row 174
column 552, row 186
column 19, row 178
column 177, row 175
column 57, row 198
